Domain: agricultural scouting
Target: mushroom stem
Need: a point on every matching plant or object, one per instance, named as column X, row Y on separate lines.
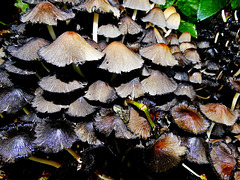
column 1, row 115
column 143, row 108
column 234, row 101
column 237, row 73
column 43, row 65
column 45, row 161
column 114, row 75
column 202, row 176
column 51, row 32
column 38, row 76
column 26, row 111
column 77, row 69
column 95, row 26
column 210, row 131
column 74, row 154
column 123, row 38
column 134, row 14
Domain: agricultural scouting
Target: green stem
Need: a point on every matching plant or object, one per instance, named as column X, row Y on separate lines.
column 1, row 115
column 51, row 32
column 43, row 65
column 45, row 161
column 26, row 111
column 77, row 69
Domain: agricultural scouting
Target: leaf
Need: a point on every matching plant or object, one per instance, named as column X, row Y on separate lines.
column 235, row 4
column 188, row 7
column 186, row 26
column 167, row 4
column 21, row 5
column 208, row 8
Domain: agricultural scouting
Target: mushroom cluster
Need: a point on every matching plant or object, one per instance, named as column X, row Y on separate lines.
column 111, row 89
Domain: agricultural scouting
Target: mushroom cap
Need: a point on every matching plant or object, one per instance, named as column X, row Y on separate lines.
column 73, row 2
column 219, row 113
column 45, row 12
column 109, row 30
column 142, row 5
column 139, row 125
column 134, row 89
column 165, row 153
column 10, row 67
column 32, row 1
column 153, row 36
column 54, row 135
column 189, row 118
column 29, row 51
column 69, row 48
column 52, row 84
column 158, row 83
column 99, row 6
column 156, row 17
column 159, row 2
column 4, row 80
column 187, row 45
column 169, row 11
column 185, row 37
column 119, row 58
column 101, row 91
column 173, row 21
column 129, row 26
column 192, row 55
column 185, row 89
column 80, row 108
column 159, row 54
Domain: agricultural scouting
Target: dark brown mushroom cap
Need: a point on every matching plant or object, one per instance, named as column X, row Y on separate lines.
column 80, row 108
column 119, row 58
column 45, row 12
column 69, row 48
column 159, row 54
column 16, row 141
column 99, row 6
column 85, row 131
column 12, row 100
column 139, row 125
column 164, row 154
column 101, row 91
column 109, row 30
column 158, row 83
column 223, row 159
column 55, row 135
column 52, row 84
column 29, row 51
column 156, row 17
column 189, row 118
column 129, row 26
column 134, row 89
column 219, row 113
column 142, row 5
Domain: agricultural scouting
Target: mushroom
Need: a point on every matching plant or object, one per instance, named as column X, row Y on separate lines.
column 73, row 2
column 96, row 6
column 153, row 36
column 4, row 80
column 10, row 67
column 185, row 89
column 173, row 21
column 159, row 2
column 45, row 12
column 109, row 31
column 142, row 5
column 120, row 59
column 185, row 37
column 159, row 54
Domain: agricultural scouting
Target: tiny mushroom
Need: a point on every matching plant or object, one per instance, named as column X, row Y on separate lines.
column 109, row 31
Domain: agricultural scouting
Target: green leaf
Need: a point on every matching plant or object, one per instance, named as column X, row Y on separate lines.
column 186, row 26
column 208, row 8
column 188, row 7
column 167, row 4
column 21, row 5
column 235, row 4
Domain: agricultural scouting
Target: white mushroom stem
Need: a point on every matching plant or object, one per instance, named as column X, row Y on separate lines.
column 210, row 131
column 95, row 26
column 134, row 14
column 234, row 101
column 51, row 32
column 193, row 172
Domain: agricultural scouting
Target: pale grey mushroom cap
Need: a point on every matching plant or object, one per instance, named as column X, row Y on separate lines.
column 129, row 26
column 109, row 30
column 142, row 5
column 156, row 17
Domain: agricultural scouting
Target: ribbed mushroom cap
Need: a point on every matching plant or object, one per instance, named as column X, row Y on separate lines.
column 120, row 59
column 219, row 113
column 80, row 108
column 172, row 39
column 173, row 21
column 69, row 48
column 158, row 83
column 139, row 125
column 189, row 118
column 4, row 79
column 156, row 17
column 134, row 89
column 52, row 84
column 169, row 11
column 174, row 49
column 153, row 36
column 109, row 30
column 46, row 13
column 185, row 37
column 159, row 2
column 85, row 131
column 101, row 91
column 195, row 77
column 223, row 159
column 44, row 106
column 192, row 55
column 28, row 51
column 142, row 5
column 185, row 89
column 159, row 54
column 99, row 6
column 16, row 142
column 10, row 67
column 55, row 135
column 187, row 45
column 164, row 154
column 129, row 26
column 12, row 100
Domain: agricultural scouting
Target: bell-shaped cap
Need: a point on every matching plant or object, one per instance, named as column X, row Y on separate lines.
column 109, row 31
column 173, row 21
column 156, row 17
column 129, row 26
column 142, row 5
